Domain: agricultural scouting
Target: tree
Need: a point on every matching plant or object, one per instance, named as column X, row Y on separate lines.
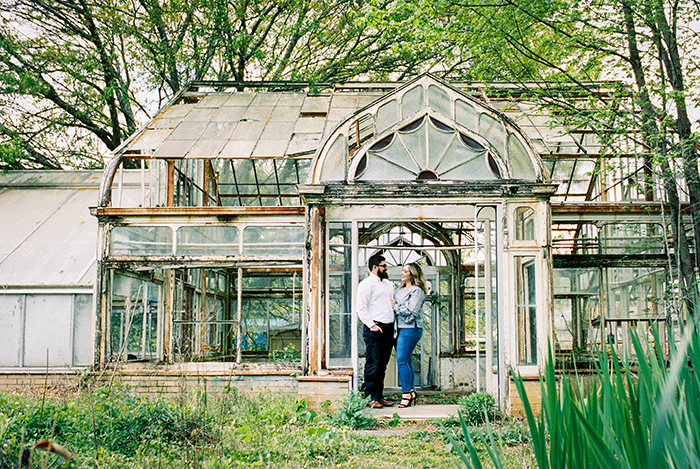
column 77, row 78
column 650, row 45
column 65, row 83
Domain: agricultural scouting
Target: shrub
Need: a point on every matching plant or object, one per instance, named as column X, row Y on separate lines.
column 478, row 408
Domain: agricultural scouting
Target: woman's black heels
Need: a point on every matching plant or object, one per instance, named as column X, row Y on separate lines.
column 414, row 396
column 406, row 399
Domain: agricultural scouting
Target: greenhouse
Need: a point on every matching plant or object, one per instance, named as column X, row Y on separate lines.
column 234, row 227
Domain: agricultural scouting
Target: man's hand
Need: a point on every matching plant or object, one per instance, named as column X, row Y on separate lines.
column 375, row 328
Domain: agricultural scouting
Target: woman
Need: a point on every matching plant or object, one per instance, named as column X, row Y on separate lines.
column 408, row 306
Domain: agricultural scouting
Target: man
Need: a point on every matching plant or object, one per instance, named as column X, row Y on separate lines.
column 375, row 311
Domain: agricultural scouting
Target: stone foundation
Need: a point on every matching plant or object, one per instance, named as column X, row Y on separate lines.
column 177, row 381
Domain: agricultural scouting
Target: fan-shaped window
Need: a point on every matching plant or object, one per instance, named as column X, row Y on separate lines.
column 427, row 149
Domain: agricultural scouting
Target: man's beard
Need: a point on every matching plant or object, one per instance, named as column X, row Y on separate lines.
column 382, row 274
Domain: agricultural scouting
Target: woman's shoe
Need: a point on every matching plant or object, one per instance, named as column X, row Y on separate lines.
column 405, row 400
column 414, row 396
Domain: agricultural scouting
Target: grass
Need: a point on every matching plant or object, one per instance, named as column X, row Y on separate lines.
column 117, row 429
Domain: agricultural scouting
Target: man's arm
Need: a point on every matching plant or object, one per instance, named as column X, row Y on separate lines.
column 364, row 293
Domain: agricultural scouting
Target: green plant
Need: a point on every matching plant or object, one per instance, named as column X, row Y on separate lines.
column 478, row 408
column 289, row 354
column 394, row 421
column 352, row 412
column 631, row 419
column 303, row 414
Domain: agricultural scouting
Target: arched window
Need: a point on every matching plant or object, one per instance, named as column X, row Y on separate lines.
column 424, row 149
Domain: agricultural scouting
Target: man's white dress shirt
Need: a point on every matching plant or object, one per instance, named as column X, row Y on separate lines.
column 373, row 302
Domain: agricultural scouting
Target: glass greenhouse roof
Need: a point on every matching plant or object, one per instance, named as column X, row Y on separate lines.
column 252, row 147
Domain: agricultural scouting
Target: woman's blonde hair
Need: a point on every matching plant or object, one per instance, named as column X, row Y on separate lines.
column 417, row 276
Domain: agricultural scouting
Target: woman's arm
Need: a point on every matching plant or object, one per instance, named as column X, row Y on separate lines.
column 411, row 307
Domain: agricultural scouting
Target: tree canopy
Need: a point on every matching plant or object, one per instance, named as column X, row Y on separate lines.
column 652, row 47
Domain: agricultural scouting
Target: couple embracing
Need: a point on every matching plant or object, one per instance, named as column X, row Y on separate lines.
column 390, row 318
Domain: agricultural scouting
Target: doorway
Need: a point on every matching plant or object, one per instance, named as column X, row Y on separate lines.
column 460, row 314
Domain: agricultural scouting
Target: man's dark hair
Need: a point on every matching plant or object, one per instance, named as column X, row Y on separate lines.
column 375, row 259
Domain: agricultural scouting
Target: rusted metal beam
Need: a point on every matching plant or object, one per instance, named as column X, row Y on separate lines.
column 170, row 198
column 609, row 260
column 315, row 299
column 195, row 211
column 259, row 263
column 613, row 207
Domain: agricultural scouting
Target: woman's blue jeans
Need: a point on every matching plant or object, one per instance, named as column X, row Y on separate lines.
column 405, row 343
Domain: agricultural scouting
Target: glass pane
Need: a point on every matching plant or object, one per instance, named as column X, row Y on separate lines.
column 412, row 101
column 576, row 309
column 387, row 115
column 492, row 130
column 273, row 240
column 635, row 293
column 82, row 330
column 524, row 224
column 203, row 325
column 525, row 310
column 271, row 315
column 465, row 115
column 520, row 162
column 207, row 241
column 134, row 316
column 632, row 238
column 141, row 241
column 439, row 101
column 48, row 340
column 340, row 286
column 463, row 163
column 335, row 162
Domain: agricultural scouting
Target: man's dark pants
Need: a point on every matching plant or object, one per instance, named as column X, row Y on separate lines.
column 378, row 346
